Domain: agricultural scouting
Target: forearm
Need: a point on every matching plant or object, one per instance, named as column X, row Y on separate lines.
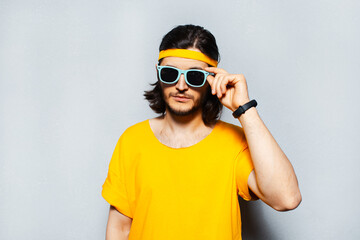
column 118, row 226
column 114, row 233
column 275, row 176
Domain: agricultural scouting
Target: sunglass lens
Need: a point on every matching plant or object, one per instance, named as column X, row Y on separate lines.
column 169, row 75
column 195, row 78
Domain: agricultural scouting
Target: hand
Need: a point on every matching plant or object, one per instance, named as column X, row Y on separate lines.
column 231, row 89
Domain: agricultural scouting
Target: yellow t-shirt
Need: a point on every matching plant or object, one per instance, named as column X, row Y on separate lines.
column 180, row 193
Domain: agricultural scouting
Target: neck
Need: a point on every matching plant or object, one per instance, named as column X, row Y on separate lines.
column 180, row 131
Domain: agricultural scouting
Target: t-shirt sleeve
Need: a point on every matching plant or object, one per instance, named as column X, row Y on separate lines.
column 244, row 167
column 114, row 188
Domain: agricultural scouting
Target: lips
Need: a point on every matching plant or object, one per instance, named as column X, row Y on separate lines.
column 181, row 98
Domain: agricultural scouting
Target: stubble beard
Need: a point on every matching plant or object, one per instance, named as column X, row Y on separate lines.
column 185, row 112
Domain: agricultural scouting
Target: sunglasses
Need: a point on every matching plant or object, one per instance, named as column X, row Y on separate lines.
column 193, row 77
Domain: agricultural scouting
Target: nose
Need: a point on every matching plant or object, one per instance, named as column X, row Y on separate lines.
column 181, row 84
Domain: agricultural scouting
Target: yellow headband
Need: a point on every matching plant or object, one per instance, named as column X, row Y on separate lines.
column 185, row 53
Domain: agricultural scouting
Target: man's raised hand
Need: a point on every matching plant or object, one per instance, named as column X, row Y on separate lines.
column 231, row 89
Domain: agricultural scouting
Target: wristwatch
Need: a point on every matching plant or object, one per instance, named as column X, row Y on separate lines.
column 237, row 113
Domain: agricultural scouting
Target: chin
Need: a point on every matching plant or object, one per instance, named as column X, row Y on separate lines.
column 182, row 110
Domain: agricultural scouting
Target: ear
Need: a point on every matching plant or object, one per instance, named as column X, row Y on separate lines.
column 157, row 73
column 156, row 68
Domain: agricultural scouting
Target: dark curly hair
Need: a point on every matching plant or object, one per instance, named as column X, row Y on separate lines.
column 184, row 37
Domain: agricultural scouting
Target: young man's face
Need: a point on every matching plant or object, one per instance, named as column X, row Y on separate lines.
column 180, row 98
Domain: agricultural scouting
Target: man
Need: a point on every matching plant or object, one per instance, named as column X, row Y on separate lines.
column 178, row 176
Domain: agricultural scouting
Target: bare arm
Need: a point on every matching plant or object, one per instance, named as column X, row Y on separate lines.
column 273, row 179
column 118, row 226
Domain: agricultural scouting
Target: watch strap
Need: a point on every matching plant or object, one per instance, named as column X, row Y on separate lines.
column 237, row 113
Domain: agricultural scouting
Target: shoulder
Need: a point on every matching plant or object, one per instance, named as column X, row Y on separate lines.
column 129, row 143
column 228, row 128
column 231, row 132
column 136, row 128
column 135, row 132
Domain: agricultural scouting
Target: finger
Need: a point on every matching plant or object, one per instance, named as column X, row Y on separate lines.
column 223, row 86
column 215, row 70
column 213, row 86
column 218, row 86
column 210, row 79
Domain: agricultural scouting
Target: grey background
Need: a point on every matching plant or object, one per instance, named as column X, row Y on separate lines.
column 72, row 75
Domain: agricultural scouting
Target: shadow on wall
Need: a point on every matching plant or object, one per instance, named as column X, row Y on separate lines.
column 254, row 225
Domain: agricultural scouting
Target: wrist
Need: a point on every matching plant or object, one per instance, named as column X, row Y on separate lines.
column 239, row 103
column 243, row 108
column 250, row 115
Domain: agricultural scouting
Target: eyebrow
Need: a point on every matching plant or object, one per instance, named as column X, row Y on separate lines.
column 189, row 68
